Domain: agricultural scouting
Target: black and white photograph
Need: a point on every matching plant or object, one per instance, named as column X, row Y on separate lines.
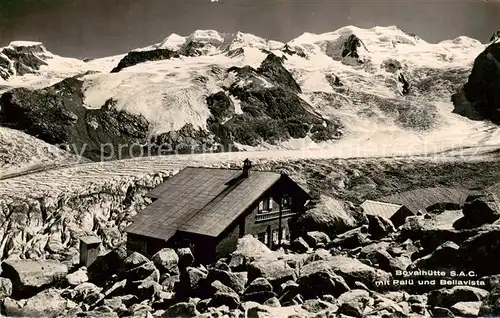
column 249, row 158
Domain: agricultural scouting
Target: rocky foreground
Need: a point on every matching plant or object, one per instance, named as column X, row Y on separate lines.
column 442, row 263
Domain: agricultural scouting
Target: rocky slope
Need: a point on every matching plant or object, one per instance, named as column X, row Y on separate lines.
column 20, row 151
column 374, row 270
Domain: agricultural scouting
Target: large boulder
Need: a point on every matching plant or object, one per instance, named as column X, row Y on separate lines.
column 379, row 227
column 351, row 239
column 395, row 307
column 299, row 245
column 259, row 285
column 166, row 260
column 466, row 308
column 435, row 229
column 480, row 97
column 491, row 304
column 481, row 209
column 259, row 290
column 381, row 258
column 224, row 296
column 315, row 238
column 186, row 257
column 354, row 271
column 445, row 257
column 316, row 306
column 235, row 280
column 29, row 277
column 134, row 260
column 82, row 292
column 142, row 272
column 192, row 281
column 146, row 289
column 354, row 302
column 480, row 253
column 46, row 304
column 275, row 271
column 329, row 216
column 181, row 310
column 250, row 249
column 78, row 277
column 108, row 264
column 318, row 278
column 449, row 297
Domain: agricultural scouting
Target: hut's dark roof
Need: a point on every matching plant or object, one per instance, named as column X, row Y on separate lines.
column 383, row 209
column 200, row 200
column 419, row 199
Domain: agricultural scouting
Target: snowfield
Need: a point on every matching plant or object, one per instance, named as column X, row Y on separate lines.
column 171, row 93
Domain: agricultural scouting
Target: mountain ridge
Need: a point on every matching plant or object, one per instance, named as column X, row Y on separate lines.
column 379, row 84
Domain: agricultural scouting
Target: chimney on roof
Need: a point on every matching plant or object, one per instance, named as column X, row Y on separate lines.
column 247, row 165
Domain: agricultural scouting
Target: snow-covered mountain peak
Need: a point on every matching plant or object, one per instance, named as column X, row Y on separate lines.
column 172, row 42
column 207, row 36
column 242, row 39
column 212, row 88
column 26, row 44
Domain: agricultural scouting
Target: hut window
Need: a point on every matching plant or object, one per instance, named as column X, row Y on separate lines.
column 286, row 202
column 276, row 237
column 266, row 205
column 263, row 237
column 283, row 234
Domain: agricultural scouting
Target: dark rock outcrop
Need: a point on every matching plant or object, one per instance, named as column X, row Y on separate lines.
column 449, row 297
column 272, row 111
column 318, row 278
column 289, row 51
column 495, row 36
column 137, row 57
column 299, row 245
column 351, row 45
column 491, row 304
column 445, row 257
column 56, row 115
column 379, row 227
column 479, row 253
column 480, row 97
column 223, row 295
column 481, row 209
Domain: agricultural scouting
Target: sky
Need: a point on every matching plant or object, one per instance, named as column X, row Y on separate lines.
column 96, row 28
